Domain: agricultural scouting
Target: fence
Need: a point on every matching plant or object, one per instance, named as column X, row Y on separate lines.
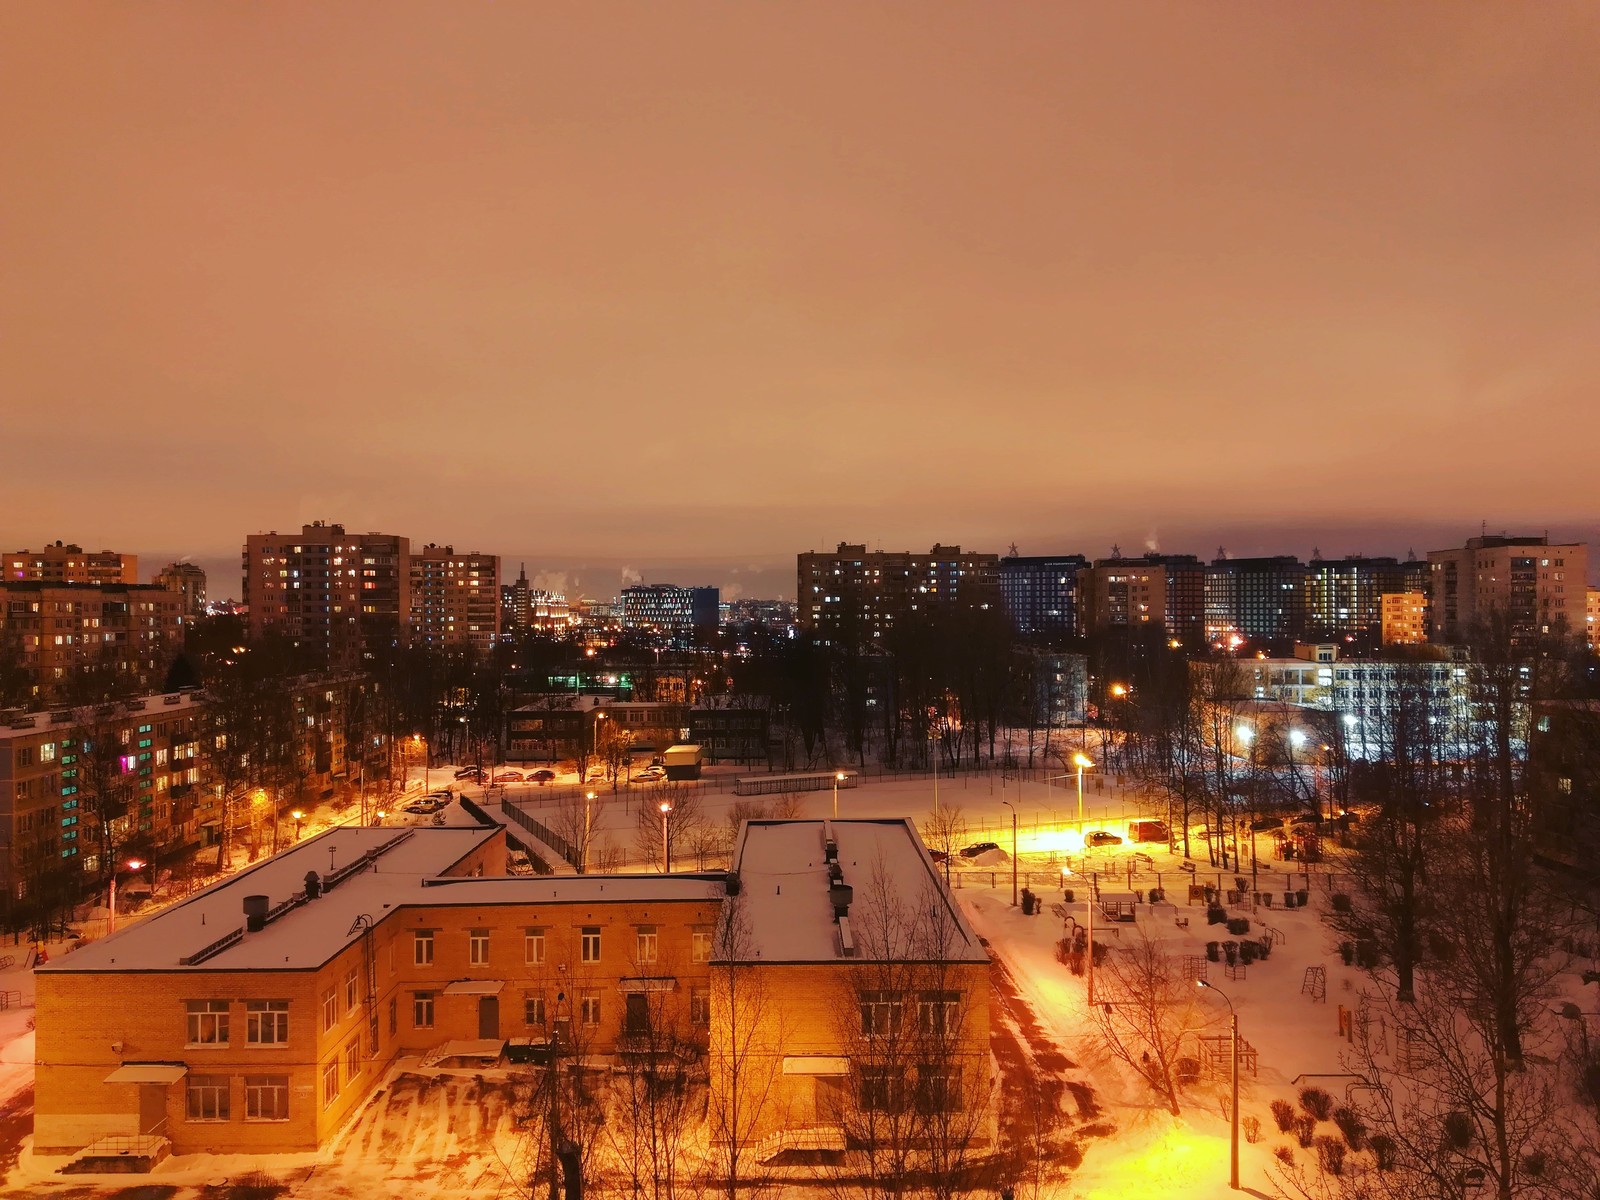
column 541, row 831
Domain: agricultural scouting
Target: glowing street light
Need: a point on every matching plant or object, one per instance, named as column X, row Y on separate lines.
column 299, row 820
column 583, row 855
column 666, row 849
column 1233, row 1019
column 838, row 778
column 133, row 864
column 1082, row 762
column 1013, row 809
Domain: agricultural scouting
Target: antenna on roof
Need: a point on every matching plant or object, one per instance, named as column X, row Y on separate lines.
column 1116, row 550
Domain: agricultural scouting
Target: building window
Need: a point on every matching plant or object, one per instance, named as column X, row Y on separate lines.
column 478, row 947
column 422, row 948
column 645, row 944
column 533, row 946
column 330, row 1083
column 352, row 985
column 266, row 1097
column 938, row 1088
column 422, row 1010
column 266, row 1022
column 533, row 1008
column 590, row 945
column 939, row 1012
column 208, row 1098
column 394, row 1015
column 208, row 1022
column 330, row 1009
column 882, row 1089
column 880, row 1013
column 352, row 1059
column 700, row 946
column 700, row 1007
column 589, row 1008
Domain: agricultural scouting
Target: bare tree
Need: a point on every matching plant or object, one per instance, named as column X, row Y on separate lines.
column 1147, row 1015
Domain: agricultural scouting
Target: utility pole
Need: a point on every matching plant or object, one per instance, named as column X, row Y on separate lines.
column 1013, row 809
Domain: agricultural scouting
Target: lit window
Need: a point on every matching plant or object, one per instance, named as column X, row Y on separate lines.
column 208, row 1022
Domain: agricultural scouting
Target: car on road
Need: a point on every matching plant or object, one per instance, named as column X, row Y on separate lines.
column 424, row 806
column 473, row 773
column 508, row 777
column 1099, row 837
column 542, row 775
column 650, row 775
column 978, row 848
column 1262, row 824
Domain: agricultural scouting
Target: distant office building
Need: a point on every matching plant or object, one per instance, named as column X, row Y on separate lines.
column 1592, row 618
column 1539, row 588
column 1040, row 593
column 1344, row 596
column 527, row 609
column 1155, row 591
column 1263, row 599
column 732, row 728
column 189, row 581
column 59, row 631
column 675, row 613
column 339, row 596
column 1405, row 618
column 59, row 562
column 855, row 595
column 455, row 599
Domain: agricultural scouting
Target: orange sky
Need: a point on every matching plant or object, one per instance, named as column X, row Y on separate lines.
column 717, row 282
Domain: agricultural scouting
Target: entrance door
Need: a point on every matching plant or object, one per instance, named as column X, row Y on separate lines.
column 636, row 1014
column 829, row 1098
column 153, row 1108
column 488, row 1017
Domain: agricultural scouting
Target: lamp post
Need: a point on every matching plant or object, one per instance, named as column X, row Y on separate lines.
column 666, row 848
column 133, row 864
column 299, row 820
column 1233, row 1024
column 583, row 853
column 933, row 757
column 380, row 816
column 1013, row 809
column 1081, row 761
column 838, row 778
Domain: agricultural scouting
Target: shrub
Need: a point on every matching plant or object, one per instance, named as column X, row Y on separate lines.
column 1347, row 952
column 257, row 1185
column 1341, row 902
column 1330, row 1155
column 1317, row 1103
column 1352, row 1126
column 1216, row 915
column 1383, row 1150
column 1284, row 1154
column 1305, row 1131
column 1283, row 1114
column 1239, row 926
column 1252, row 1129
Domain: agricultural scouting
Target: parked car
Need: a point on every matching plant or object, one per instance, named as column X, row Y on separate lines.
column 1100, row 837
column 424, row 806
column 473, row 773
column 650, row 775
column 1149, row 831
column 1308, row 818
column 978, row 848
column 542, row 775
column 937, row 855
column 1262, row 824
column 508, row 776
column 445, row 794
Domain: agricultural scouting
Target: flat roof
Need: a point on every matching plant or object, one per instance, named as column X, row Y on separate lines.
column 784, row 894
column 406, row 872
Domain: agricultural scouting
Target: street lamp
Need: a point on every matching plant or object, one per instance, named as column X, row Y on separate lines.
column 299, row 820
column 1081, row 761
column 583, row 854
column 133, row 864
column 380, row 816
column 666, row 850
column 838, row 778
column 1233, row 1021
column 418, row 740
column 1013, row 809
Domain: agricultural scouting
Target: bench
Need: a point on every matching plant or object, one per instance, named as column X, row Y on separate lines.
column 1181, row 922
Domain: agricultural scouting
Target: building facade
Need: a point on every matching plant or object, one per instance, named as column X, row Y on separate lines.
column 1538, row 588
column 1040, row 593
column 1405, row 618
column 58, row 562
column 853, row 595
column 1259, row 599
column 1344, row 596
column 341, row 597
column 58, row 633
column 527, row 609
column 1164, row 592
column 455, row 600
column 188, row 580
column 677, row 614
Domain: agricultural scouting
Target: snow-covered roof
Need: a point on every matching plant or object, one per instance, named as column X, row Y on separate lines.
column 787, row 908
column 404, row 869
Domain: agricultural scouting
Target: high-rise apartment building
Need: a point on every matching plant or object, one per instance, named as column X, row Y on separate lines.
column 455, row 599
column 1040, row 593
column 62, row 563
column 524, row 608
column 57, row 632
column 339, row 596
column 675, row 613
column 1259, row 598
column 189, row 581
column 1155, row 591
column 1344, row 596
column 855, row 595
column 1538, row 588
column 1592, row 618
column 1405, row 618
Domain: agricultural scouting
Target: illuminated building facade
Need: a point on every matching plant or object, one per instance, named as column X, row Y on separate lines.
column 1538, row 587
column 58, row 631
column 187, row 580
column 1156, row 591
column 853, row 595
column 455, row 599
column 1405, row 618
column 58, row 562
column 1040, row 593
column 678, row 614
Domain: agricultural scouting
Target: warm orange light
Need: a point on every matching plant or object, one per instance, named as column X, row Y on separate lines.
column 135, row 864
column 665, row 807
column 1119, row 690
column 298, row 815
column 1082, row 762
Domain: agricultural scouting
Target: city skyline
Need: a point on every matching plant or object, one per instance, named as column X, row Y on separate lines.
column 716, row 285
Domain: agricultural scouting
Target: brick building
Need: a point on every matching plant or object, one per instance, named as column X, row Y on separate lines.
column 455, row 599
column 57, row 632
column 58, row 562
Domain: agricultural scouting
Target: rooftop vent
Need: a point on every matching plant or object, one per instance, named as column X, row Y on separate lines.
column 255, row 913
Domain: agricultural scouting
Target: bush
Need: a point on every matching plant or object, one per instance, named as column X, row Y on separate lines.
column 1248, row 952
column 1284, row 1154
column 1305, row 1131
column 1216, row 915
column 1239, row 926
column 1330, row 1155
column 1347, row 953
column 1341, row 902
column 1317, row 1103
column 1252, row 1129
column 1352, row 1126
column 257, row 1185
column 1383, row 1150
column 1283, row 1114
column 1457, row 1130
